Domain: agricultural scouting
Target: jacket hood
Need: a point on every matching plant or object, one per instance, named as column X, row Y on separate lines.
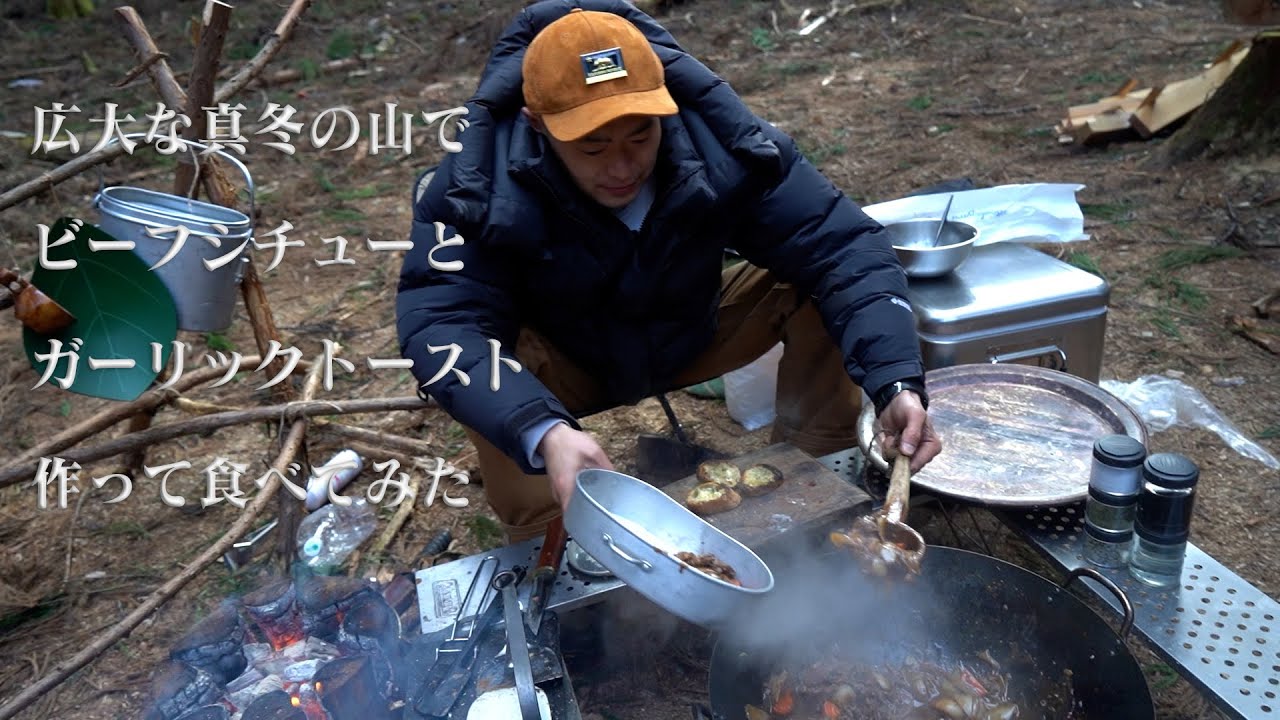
column 715, row 134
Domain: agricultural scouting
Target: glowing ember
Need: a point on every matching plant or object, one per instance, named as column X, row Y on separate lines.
column 296, row 701
column 281, row 635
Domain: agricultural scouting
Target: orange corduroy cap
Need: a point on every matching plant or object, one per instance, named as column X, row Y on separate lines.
column 589, row 68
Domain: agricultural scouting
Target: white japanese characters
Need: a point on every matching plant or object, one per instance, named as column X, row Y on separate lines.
column 391, row 130
column 58, row 479
column 290, row 356
column 276, row 240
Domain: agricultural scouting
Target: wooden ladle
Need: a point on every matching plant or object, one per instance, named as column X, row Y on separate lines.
column 35, row 309
column 882, row 541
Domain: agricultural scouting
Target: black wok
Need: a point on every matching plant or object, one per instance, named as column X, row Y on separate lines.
column 1063, row 660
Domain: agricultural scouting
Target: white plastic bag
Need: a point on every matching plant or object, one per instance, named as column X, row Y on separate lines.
column 1163, row 402
column 749, row 391
column 1036, row 212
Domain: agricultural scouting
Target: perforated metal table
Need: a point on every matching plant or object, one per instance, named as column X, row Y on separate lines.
column 1219, row 631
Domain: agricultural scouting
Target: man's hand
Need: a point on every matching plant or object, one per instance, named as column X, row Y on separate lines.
column 908, row 430
column 566, row 451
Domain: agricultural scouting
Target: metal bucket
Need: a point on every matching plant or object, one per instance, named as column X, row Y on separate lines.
column 205, row 298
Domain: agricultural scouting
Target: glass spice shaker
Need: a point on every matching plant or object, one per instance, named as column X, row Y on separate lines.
column 1163, row 519
column 1114, row 485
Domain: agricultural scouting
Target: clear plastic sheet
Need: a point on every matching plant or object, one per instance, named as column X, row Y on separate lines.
column 1164, row 402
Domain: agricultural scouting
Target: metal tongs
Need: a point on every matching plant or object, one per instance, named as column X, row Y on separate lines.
column 526, row 694
column 883, row 542
column 456, row 656
column 456, row 642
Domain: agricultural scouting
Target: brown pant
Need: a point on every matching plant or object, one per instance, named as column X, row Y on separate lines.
column 817, row 403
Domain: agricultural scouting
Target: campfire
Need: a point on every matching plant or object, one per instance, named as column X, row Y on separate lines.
column 320, row 648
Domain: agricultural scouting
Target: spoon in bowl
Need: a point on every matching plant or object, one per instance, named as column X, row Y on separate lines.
column 943, row 223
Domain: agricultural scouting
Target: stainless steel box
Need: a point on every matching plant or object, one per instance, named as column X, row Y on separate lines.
column 1013, row 304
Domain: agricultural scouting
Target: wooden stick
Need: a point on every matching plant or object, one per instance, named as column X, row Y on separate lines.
column 140, row 68
column 113, row 414
column 159, row 71
column 284, row 29
column 135, row 460
column 292, row 74
column 46, row 180
column 244, row 521
column 204, row 69
column 397, row 520
column 264, row 332
column 17, row 472
column 380, row 438
column 391, row 441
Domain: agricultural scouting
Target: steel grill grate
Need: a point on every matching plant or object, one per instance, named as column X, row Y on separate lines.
column 1219, row 630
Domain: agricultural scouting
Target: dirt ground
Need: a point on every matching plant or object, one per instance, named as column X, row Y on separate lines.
column 886, row 99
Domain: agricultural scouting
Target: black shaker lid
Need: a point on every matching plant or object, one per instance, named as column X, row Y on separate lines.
column 1170, row 470
column 1119, row 451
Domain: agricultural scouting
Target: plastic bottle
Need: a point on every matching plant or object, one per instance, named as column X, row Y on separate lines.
column 1163, row 520
column 329, row 535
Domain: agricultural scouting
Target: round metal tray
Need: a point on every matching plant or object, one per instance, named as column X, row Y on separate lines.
column 1012, row 435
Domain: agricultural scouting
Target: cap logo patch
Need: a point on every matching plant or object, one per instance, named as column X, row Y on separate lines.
column 603, row 65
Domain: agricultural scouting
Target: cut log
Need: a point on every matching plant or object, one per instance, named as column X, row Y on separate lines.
column 1244, row 116
column 1128, row 102
column 1177, row 100
column 1099, row 128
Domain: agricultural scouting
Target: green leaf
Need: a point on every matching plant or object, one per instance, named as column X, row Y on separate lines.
column 120, row 306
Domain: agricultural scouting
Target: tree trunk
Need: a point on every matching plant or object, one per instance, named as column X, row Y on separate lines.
column 1241, row 118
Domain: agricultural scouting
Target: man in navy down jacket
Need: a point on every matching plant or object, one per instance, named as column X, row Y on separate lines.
column 580, row 233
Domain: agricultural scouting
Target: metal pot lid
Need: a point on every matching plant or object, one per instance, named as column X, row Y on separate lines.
column 1013, row 435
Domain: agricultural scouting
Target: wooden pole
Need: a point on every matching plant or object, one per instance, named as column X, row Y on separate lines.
column 251, row 291
column 204, row 69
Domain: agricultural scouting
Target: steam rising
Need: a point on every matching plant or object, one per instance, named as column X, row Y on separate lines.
column 822, row 599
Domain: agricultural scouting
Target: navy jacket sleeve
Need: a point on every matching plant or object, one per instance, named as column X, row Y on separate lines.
column 811, row 235
column 452, row 314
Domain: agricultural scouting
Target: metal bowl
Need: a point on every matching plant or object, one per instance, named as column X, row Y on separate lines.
column 634, row 529
column 913, row 241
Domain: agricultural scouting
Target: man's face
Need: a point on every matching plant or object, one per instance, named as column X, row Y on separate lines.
column 611, row 164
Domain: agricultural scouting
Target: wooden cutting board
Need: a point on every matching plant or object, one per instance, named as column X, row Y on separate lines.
column 810, row 498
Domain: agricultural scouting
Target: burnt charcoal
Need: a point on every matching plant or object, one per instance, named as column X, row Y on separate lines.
column 401, row 593
column 324, row 600
column 277, row 705
column 181, row 688
column 349, row 690
column 370, row 626
column 215, row 645
column 275, row 611
column 208, row 712
column 272, row 600
column 370, row 621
